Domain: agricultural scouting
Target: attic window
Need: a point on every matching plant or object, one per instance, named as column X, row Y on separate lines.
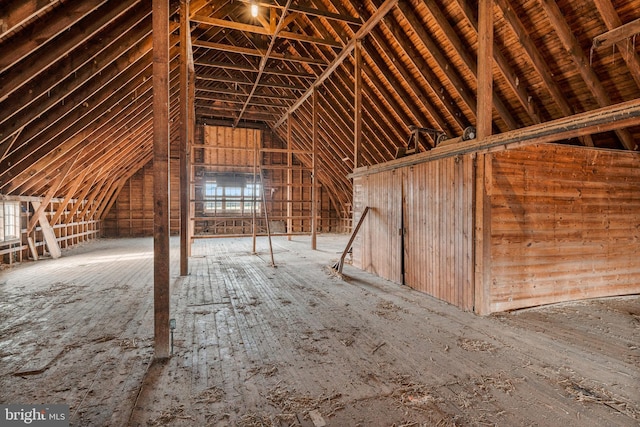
column 231, row 196
column 9, row 221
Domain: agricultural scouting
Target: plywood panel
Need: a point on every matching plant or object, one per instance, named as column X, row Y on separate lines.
column 565, row 225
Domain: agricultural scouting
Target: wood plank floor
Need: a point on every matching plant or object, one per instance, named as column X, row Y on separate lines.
column 296, row 345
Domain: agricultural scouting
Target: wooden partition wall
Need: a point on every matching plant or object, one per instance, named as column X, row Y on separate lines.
column 227, row 152
column 505, row 230
column 419, row 229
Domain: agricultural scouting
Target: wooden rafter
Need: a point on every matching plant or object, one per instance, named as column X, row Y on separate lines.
column 581, row 61
column 223, row 23
column 612, row 21
column 346, row 51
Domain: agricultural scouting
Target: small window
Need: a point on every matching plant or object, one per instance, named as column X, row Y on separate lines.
column 9, row 221
column 231, row 196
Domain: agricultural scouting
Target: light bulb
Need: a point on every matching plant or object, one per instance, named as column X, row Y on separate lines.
column 254, row 10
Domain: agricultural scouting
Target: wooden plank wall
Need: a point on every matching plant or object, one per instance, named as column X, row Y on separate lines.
column 132, row 213
column 564, row 225
column 439, row 229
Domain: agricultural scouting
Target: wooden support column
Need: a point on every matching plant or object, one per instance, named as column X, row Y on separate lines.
column 314, row 171
column 191, row 85
column 357, row 110
column 254, row 205
column 161, row 177
column 289, row 180
column 185, row 120
column 485, row 65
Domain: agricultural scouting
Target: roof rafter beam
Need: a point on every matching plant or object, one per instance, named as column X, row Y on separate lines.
column 256, row 52
column 346, row 51
column 230, row 25
column 612, row 21
column 321, row 13
column 581, row 62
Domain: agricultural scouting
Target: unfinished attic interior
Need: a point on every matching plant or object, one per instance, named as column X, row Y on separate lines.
column 321, row 212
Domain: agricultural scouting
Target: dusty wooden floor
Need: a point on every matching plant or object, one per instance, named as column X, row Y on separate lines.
column 295, row 345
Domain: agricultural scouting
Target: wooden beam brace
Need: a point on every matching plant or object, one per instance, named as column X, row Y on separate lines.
column 346, row 51
column 62, row 174
column 62, row 207
column 604, row 119
column 618, row 34
column 612, row 20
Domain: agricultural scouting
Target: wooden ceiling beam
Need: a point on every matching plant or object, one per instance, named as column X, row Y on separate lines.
column 581, row 62
column 322, row 14
column 505, row 68
column 444, row 99
column 16, row 13
column 346, row 51
column 263, row 62
column 231, row 25
column 240, row 101
column 31, row 102
column 536, row 59
column 612, row 21
column 256, row 52
column 449, row 69
column 253, row 69
column 75, row 127
column 236, row 93
column 616, row 35
column 41, row 60
column 223, row 79
column 57, row 120
column 52, row 25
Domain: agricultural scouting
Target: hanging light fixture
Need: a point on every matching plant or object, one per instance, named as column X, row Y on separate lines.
column 254, row 9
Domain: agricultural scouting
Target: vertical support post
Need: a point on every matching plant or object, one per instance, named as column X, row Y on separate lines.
column 191, row 84
column 485, row 66
column 254, row 204
column 314, row 171
column 185, row 120
column 289, row 180
column 357, row 118
column 161, row 177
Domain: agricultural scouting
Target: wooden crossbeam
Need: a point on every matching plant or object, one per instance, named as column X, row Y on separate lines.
column 346, row 51
column 615, row 35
